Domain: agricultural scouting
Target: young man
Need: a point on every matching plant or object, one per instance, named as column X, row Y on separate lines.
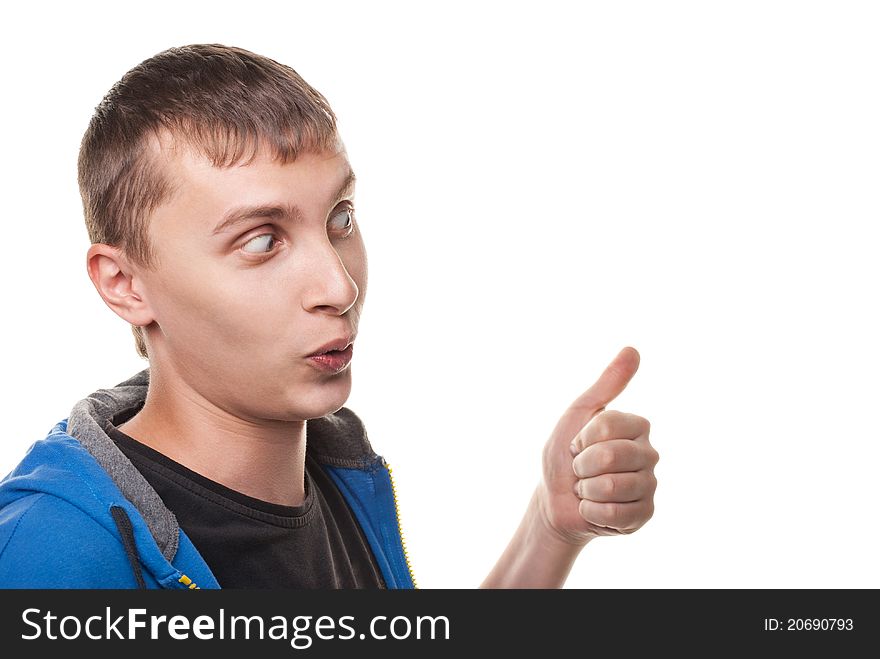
column 219, row 201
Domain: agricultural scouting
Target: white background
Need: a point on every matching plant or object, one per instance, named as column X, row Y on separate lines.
column 537, row 188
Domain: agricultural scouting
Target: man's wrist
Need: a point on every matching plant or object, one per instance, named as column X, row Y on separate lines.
column 537, row 556
column 544, row 531
column 550, row 554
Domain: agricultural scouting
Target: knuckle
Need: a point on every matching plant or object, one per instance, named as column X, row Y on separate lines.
column 609, row 485
column 607, row 459
column 603, row 427
column 611, row 416
column 652, row 455
column 612, row 511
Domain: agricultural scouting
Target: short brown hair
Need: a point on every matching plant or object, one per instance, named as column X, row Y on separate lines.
column 225, row 102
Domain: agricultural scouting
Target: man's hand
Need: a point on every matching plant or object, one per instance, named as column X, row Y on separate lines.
column 598, row 465
column 597, row 479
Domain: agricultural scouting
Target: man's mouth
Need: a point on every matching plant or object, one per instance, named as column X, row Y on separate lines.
column 332, row 360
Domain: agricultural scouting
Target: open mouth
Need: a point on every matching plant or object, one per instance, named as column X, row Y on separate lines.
column 333, row 360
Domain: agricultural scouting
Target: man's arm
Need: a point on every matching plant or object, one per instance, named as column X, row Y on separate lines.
column 597, row 480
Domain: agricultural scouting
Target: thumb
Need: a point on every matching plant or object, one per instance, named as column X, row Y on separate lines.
column 613, row 380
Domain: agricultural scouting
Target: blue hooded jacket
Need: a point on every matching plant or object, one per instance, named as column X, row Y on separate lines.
column 76, row 513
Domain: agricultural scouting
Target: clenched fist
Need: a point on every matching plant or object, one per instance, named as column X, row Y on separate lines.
column 598, row 465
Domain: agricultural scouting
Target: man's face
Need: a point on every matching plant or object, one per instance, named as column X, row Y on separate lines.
column 240, row 309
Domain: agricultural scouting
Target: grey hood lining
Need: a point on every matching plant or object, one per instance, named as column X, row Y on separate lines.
column 86, row 423
column 338, row 439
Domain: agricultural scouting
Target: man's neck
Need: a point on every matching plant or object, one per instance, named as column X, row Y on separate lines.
column 262, row 460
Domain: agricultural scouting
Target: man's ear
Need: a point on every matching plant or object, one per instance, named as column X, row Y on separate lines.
column 115, row 280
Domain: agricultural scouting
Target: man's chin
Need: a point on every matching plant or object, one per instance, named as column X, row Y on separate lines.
column 323, row 400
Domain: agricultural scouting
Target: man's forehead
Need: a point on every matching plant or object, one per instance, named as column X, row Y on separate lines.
column 186, row 165
column 173, row 148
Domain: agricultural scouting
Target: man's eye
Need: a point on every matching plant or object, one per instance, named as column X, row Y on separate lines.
column 345, row 216
column 261, row 242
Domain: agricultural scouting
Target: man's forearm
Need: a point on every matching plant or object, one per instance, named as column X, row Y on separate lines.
column 535, row 557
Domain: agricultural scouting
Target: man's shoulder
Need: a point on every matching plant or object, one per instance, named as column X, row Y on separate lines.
column 40, row 516
column 48, row 542
column 56, row 527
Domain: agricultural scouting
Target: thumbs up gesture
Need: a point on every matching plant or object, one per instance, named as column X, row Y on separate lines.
column 598, row 465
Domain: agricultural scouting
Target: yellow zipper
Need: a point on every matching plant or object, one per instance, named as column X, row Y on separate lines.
column 399, row 527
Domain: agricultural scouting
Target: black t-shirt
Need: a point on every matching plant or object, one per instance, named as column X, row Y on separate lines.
column 249, row 543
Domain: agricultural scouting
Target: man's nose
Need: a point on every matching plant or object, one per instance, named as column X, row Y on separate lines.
column 329, row 286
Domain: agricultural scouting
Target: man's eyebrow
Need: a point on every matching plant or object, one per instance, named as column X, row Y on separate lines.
column 241, row 214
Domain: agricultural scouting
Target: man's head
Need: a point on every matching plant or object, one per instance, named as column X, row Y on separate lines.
column 219, row 200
